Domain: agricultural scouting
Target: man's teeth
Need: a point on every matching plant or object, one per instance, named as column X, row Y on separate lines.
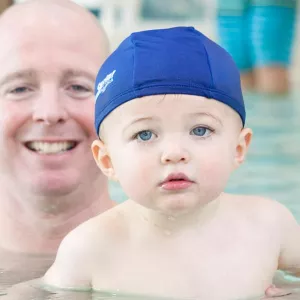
column 50, row 148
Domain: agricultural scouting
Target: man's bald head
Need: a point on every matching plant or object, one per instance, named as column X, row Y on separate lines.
column 36, row 17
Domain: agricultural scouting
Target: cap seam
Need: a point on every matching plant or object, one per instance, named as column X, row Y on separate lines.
column 134, row 47
column 209, row 66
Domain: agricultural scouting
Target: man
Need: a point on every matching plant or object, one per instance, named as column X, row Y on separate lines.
column 50, row 54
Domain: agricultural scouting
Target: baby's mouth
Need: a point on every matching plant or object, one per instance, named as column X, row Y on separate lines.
column 51, row 147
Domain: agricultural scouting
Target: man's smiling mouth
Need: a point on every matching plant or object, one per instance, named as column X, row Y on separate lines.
column 51, row 147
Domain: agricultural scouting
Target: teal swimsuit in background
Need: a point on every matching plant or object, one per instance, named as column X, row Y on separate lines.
column 257, row 32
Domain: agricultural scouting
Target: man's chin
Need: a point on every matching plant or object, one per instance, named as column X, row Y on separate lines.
column 49, row 187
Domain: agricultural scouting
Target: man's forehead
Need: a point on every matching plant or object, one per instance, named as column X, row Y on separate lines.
column 52, row 35
column 35, row 32
column 28, row 15
column 50, row 52
column 44, row 60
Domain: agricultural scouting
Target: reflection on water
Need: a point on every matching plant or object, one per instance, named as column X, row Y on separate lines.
column 16, row 268
column 272, row 170
column 39, row 294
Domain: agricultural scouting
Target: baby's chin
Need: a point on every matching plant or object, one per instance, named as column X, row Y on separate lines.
column 179, row 206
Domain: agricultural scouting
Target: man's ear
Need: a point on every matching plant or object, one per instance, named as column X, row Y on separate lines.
column 103, row 160
column 242, row 147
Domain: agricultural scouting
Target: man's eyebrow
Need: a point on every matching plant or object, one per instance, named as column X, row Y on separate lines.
column 28, row 73
column 201, row 114
column 78, row 73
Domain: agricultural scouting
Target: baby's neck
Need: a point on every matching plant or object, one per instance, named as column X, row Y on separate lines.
column 170, row 224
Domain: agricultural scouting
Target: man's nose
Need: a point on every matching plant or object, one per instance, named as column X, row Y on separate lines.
column 174, row 152
column 50, row 108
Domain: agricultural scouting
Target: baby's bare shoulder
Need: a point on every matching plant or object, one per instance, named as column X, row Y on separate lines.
column 261, row 210
column 108, row 226
column 84, row 248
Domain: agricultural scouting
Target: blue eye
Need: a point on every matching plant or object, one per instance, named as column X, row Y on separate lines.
column 79, row 88
column 145, row 135
column 201, row 131
column 19, row 90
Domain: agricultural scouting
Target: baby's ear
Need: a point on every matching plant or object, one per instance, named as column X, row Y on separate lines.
column 242, row 147
column 102, row 159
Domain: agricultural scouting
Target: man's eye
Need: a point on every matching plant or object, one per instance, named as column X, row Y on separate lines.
column 79, row 88
column 19, row 90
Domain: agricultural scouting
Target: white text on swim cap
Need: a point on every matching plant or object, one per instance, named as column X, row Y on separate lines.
column 104, row 83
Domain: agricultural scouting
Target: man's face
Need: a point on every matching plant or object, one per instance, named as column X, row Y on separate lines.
column 47, row 106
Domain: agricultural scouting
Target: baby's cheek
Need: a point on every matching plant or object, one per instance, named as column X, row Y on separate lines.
column 136, row 177
column 216, row 170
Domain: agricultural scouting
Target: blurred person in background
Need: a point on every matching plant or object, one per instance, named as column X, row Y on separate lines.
column 259, row 35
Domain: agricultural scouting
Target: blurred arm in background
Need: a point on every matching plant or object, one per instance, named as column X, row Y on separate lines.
column 5, row 4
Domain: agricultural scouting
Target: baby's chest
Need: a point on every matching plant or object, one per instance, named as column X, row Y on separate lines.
column 202, row 268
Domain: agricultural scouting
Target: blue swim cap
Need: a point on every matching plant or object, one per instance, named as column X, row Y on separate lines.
column 178, row 60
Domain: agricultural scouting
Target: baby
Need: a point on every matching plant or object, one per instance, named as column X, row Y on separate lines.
column 171, row 121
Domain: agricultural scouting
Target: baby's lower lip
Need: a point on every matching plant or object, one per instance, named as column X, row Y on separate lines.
column 176, row 185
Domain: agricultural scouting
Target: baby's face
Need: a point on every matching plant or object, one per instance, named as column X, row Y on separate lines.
column 194, row 139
